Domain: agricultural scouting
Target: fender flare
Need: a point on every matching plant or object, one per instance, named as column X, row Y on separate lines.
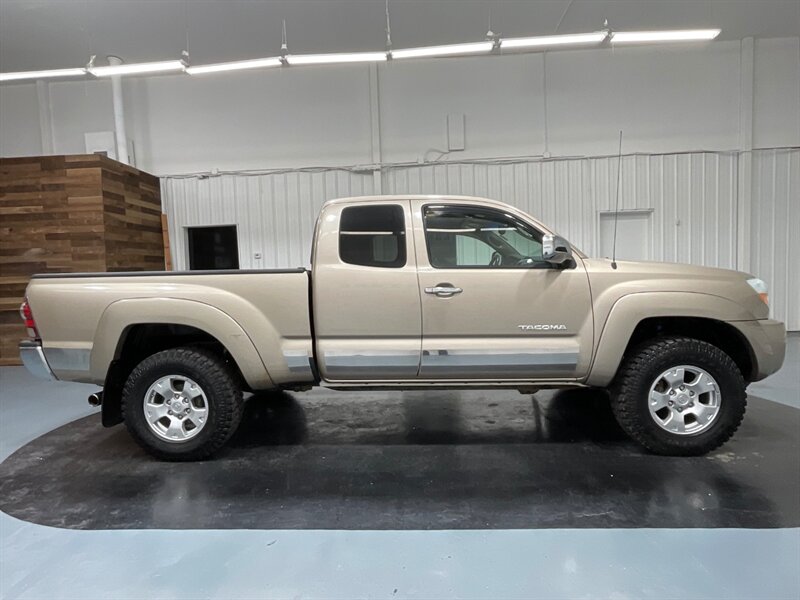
column 631, row 309
column 122, row 314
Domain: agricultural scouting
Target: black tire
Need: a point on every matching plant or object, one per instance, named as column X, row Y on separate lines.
column 641, row 367
column 221, row 391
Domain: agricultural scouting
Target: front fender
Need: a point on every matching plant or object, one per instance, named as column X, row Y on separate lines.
column 122, row 314
column 630, row 310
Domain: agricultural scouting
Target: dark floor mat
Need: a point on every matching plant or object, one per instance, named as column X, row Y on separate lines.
column 413, row 460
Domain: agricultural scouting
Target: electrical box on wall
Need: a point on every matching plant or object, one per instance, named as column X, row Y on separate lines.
column 101, row 141
column 455, row 131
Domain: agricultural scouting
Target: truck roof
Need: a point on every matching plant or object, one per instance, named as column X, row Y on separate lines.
column 433, row 197
column 440, row 198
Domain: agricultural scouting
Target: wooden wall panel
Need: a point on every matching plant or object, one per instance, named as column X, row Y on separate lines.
column 132, row 218
column 77, row 213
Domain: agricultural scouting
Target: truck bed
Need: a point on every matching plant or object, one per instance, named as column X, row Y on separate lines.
column 262, row 317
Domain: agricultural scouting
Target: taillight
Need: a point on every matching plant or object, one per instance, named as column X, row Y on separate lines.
column 27, row 316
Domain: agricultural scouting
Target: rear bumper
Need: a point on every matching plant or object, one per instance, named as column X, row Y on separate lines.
column 32, row 356
column 767, row 338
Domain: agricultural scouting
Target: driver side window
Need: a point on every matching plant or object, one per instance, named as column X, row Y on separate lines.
column 476, row 237
column 472, row 251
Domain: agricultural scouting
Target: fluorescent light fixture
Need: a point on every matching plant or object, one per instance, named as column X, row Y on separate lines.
column 256, row 63
column 450, row 50
column 22, row 75
column 327, row 59
column 137, row 68
column 684, row 35
column 554, row 40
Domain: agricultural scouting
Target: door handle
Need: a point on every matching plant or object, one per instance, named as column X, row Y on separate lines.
column 443, row 290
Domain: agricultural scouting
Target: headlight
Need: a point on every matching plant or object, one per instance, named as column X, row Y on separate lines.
column 760, row 288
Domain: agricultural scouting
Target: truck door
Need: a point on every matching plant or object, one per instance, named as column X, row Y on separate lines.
column 366, row 305
column 491, row 307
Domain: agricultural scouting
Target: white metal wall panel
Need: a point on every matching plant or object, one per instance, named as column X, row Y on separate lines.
column 274, row 214
column 775, row 230
column 693, row 198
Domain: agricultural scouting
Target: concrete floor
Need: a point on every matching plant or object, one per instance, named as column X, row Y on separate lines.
column 45, row 562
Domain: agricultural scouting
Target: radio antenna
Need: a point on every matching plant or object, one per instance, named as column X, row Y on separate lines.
column 616, row 205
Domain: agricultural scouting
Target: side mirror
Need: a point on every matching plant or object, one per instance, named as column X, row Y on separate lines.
column 557, row 251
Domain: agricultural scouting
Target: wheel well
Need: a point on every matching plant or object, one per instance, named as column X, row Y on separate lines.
column 137, row 342
column 718, row 333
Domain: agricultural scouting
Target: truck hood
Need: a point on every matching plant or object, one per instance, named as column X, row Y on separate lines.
column 632, row 277
column 667, row 269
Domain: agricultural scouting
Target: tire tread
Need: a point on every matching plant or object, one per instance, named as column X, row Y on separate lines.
column 627, row 386
column 223, row 385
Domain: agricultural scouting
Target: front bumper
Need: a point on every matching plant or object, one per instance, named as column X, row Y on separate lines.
column 767, row 339
column 32, row 356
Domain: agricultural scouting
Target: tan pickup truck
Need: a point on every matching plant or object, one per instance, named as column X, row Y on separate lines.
column 411, row 292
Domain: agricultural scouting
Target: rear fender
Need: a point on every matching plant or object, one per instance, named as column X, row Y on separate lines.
column 124, row 313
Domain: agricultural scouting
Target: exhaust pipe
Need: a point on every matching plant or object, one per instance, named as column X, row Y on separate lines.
column 96, row 399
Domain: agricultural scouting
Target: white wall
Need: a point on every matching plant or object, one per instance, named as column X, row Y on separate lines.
column 79, row 107
column 255, row 120
column 19, row 121
column 274, row 214
column 665, row 98
column 776, row 110
column 501, row 98
column 775, row 228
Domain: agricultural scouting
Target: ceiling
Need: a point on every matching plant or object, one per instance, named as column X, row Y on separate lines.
column 46, row 34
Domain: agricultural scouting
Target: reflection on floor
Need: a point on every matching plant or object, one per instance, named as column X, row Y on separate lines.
column 413, row 460
column 45, row 562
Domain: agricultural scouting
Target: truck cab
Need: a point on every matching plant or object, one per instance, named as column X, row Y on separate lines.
column 445, row 290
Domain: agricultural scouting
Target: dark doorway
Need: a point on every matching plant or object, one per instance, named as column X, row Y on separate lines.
column 212, row 248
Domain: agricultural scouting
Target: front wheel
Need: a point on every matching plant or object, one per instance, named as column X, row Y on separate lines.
column 182, row 404
column 679, row 396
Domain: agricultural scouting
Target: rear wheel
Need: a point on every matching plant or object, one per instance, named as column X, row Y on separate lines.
column 182, row 404
column 679, row 396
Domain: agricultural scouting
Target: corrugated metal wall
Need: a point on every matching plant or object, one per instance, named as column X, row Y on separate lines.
column 775, row 230
column 275, row 214
column 693, row 197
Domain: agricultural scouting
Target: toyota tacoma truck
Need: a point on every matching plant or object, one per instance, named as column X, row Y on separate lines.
column 410, row 292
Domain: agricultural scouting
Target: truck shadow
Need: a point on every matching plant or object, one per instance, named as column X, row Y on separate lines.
column 439, row 417
column 412, row 460
column 271, row 419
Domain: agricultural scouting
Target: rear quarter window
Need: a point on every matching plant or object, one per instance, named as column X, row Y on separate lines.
column 373, row 236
